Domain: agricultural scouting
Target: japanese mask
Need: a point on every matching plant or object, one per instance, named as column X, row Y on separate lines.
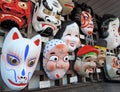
column 109, row 28
column 87, row 63
column 69, row 33
column 83, row 15
column 15, row 13
column 112, row 67
column 19, row 59
column 47, row 17
column 101, row 45
column 87, row 24
column 67, row 5
column 55, row 59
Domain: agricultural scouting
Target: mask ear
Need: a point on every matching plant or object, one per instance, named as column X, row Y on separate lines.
column 37, row 40
column 13, row 34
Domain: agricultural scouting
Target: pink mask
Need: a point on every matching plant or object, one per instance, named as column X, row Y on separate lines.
column 55, row 61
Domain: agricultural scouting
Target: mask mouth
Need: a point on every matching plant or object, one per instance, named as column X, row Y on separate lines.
column 47, row 32
column 8, row 24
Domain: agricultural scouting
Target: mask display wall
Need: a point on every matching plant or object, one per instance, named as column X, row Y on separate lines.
column 69, row 33
column 109, row 29
column 55, row 59
column 85, row 66
column 15, row 13
column 47, row 17
column 19, row 59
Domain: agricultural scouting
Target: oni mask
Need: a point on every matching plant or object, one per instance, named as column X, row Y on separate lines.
column 55, row 60
column 47, row 17
column 15, row 13
column 69, row 33
column 109, row 30
column 19, row 59
column 87, row 63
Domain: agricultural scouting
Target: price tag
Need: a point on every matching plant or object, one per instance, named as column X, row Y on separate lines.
column 44, row 39
column 73, row 79
column 44, row 84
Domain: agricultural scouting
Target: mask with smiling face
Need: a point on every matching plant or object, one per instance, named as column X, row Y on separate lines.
column 19, row 59
column 55, row 61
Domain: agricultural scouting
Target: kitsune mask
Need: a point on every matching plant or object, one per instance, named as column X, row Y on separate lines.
column 15, row 13
column 19, row 59
column 47, row 17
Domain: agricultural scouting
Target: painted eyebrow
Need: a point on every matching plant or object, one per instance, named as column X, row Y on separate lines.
column 52, row 53
column 87, row 57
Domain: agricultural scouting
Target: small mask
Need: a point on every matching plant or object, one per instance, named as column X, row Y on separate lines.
column 67, row 5
column 69, row 33
column 87, row 25
column 109, row 28
column 47, row 17
column 87, row 63
column 15, row 13
column 112, row 67
column 19, row 59
column 55, row 61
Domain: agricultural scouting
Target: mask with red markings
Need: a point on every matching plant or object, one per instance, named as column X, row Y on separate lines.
column 47, row 17
column 15, row 13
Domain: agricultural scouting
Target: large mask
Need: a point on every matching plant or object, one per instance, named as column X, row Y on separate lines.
column 15, row 13
column 19, row 59
column 69, row 33
column 47, row 17
column 55, row 59
column 109, row 28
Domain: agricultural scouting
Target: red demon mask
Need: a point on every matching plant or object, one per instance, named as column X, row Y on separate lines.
column 15, row 13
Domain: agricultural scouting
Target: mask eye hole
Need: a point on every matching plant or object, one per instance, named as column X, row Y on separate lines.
column 31, row 62
column 23, row 5
column 12, row 60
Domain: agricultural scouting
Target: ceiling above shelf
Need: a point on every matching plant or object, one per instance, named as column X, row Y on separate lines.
column 101, row 7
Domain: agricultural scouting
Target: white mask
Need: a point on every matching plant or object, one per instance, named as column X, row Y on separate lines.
column 19, row 59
